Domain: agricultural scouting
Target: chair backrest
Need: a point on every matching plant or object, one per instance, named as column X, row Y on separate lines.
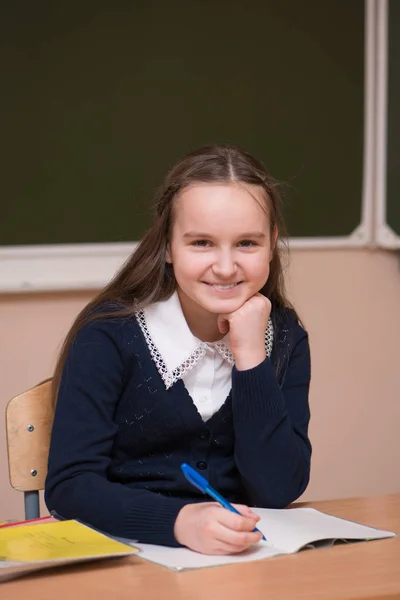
column 29, row 419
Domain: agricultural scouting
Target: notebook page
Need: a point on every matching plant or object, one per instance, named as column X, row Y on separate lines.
column 180, row 559
column 294, row 528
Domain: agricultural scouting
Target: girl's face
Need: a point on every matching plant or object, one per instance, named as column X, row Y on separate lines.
column 220, row 247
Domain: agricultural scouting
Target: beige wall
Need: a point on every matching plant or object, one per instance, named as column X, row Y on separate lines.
column 350, row 303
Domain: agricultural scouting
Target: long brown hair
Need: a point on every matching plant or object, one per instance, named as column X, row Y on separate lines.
column 146, row 277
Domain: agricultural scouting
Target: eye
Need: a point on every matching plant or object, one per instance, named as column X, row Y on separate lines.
column 201, row 243
column 247, row 243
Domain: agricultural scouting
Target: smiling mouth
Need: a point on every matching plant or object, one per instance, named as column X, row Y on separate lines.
column 224, row 287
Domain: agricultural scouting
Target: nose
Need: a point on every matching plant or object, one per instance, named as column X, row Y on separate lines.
column 224, row 265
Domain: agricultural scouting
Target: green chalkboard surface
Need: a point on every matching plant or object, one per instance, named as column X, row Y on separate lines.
column 100, row 98
column 393, row 120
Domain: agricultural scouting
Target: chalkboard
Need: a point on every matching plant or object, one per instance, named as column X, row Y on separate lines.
column 393, row 122
column 100, row 98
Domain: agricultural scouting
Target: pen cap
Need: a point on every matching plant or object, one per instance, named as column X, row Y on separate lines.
column 194, row 477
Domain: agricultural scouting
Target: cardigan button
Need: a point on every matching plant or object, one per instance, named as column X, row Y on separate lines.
column 201, row 465
column 204, row 435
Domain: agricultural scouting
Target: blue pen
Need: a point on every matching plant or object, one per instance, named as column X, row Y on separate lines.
column 202, row 484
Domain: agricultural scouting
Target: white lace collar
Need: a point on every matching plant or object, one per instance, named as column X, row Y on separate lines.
column 173, row 347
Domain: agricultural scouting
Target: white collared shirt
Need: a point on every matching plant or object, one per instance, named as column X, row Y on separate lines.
column 204, row 367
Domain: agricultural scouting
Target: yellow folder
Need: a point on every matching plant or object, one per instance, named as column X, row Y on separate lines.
column 55, row 543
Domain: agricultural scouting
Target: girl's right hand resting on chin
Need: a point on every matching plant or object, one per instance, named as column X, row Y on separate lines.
column 209, row 528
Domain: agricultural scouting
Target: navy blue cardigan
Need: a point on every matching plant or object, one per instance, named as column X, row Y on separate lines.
column 119, row 436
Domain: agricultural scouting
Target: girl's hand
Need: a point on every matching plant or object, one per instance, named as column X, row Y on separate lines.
column 209, row 528
column 246, row 328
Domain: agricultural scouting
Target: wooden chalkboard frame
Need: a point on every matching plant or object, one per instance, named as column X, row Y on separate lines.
column 386, row 237
column 90, row 266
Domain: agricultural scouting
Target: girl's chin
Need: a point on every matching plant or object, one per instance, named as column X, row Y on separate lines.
column 222, row 306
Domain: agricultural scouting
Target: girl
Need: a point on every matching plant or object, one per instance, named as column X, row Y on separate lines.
column 191, row 354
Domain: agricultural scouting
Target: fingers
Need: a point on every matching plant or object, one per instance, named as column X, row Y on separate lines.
column 246, row 521
column 223, row 324
column 236, row 532
column 232, row 533
column 234, row 542
column 229, row 544
column 246, row 511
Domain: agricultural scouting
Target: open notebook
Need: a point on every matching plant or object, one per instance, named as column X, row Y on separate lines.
column 287, row 532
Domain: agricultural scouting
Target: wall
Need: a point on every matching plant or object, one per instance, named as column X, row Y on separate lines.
column 350, row 303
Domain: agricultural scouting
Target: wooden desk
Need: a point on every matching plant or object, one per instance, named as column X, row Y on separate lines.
column 362, row 570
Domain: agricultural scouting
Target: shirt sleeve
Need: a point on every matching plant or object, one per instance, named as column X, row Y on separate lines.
column 272, row 448
column 77, row 486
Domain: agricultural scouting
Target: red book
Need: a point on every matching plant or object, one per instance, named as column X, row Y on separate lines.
column 10, row 523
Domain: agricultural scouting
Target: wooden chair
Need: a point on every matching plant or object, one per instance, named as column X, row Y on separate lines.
column 29, row 419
